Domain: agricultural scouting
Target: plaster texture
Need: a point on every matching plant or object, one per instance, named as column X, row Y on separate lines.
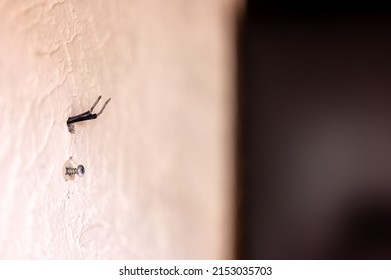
column 158, row 162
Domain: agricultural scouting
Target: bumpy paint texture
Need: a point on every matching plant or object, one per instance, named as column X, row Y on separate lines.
column 159, row 160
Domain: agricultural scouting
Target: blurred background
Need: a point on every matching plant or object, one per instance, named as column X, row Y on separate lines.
column 314, row 132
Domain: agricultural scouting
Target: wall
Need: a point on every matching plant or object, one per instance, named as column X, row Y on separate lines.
column 159, row 160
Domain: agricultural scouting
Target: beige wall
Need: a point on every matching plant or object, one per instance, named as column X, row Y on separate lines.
column 159, row 160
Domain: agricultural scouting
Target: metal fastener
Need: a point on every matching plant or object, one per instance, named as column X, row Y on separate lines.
column 79, row 170
column 70, row 169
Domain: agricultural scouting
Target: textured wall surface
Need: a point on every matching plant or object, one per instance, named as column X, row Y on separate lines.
column 159, row 160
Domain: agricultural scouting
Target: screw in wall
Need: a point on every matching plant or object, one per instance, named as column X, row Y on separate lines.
column 70, row 170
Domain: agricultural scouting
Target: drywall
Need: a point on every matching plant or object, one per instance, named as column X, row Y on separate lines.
column 159, row 160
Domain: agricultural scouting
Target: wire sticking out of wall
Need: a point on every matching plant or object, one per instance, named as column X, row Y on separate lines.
column 86, row 115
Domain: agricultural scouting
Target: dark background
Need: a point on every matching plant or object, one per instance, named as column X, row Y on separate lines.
column 314, row 144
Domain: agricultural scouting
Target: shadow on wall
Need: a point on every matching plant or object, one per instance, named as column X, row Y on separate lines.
column 314, row 133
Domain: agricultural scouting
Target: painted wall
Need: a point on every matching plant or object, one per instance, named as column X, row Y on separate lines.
column 159, row 160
